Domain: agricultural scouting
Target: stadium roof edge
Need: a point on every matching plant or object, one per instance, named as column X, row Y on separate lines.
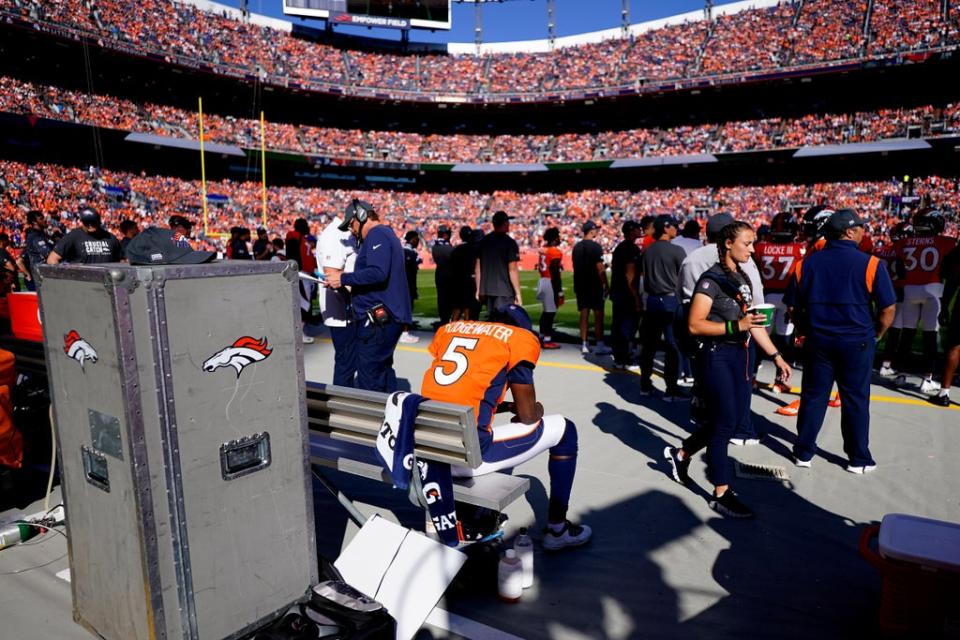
column 542, row 46
column 877, row 146
column 184, row 143
column 518, row 46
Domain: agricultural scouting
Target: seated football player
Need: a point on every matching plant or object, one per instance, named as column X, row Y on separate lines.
column 476, row 363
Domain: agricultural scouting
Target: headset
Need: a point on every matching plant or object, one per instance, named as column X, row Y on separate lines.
column 359, row 212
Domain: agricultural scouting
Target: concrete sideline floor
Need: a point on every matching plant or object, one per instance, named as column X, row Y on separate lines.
column 662, row 564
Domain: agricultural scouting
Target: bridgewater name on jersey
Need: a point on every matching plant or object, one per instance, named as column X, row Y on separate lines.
column 473, row 364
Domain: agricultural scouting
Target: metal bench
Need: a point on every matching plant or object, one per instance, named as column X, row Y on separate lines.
column 343, row 429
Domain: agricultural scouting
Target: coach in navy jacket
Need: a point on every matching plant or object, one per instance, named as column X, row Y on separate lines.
column 378, row 283
column 844, row 303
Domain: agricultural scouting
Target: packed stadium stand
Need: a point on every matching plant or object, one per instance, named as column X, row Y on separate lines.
column 117, row 113
column 153, row 108
column 777, row 35
column 150, row 200
column 739, row 43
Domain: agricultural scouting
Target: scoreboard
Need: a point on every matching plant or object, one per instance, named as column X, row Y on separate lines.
column 397, row 14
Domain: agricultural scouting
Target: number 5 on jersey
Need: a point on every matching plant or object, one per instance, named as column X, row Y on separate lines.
column 454, row 355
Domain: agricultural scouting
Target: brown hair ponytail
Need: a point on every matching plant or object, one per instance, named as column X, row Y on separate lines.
column 729, row 234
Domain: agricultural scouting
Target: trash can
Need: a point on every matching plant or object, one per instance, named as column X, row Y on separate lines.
column 919, row 560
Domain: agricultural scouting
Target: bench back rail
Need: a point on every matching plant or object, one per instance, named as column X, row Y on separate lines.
column 444, row 432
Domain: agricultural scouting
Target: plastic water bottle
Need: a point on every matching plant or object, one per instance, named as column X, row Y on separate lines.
column 524, row 548
column 510, row 577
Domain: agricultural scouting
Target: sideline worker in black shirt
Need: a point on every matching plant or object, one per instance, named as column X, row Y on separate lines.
column 625, row 294
column 660, row 266
column 36, row 246
column 442, row 252
column 88, row 244
column 497, row 270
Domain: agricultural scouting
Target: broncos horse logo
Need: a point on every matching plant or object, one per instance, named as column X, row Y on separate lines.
column 79, row 349
column 243, row 352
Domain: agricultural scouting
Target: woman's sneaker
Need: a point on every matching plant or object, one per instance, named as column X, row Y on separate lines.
column 571, row 535
column 678, row 467
column 729, row 505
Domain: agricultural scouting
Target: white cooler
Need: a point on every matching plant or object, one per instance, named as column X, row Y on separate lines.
column 919, row 560
column 931, row 544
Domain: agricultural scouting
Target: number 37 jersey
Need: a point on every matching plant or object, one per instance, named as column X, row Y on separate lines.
column 473, row 362
column 922, row 257
column 776, row 263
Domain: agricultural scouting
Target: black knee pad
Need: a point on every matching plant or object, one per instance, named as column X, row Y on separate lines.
column 906, row 341
column 930, row 347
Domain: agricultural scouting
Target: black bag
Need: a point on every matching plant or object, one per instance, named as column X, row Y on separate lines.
column 357, row 616
column 336, row 611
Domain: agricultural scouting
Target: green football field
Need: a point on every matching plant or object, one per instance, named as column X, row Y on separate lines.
column 425, row 306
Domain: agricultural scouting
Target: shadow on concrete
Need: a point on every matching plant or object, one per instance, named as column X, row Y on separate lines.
column 791, row 572
column 627, row 387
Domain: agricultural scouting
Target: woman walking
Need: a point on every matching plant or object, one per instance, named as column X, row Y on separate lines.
column 719, row 319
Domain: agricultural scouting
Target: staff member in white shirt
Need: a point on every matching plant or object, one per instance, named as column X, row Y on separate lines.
column 336, row 254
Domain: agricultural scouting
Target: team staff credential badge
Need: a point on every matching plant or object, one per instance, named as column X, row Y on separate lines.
column 79, row 349
column 245, row 351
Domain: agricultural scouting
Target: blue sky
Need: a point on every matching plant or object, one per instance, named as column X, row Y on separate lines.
column 522, row 19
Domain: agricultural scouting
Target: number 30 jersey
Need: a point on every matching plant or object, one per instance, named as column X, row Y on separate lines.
column 922, row 256
column 777, row 262
column 473, row 362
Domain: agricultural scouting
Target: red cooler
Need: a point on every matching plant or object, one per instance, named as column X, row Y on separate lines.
column 25, row 316
column 919, row 560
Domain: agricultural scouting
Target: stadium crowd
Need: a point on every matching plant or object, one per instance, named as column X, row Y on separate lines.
column 788, row 34
column 17, row 96
column 149, row 200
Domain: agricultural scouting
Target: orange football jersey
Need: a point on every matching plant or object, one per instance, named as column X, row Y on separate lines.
column 888, row 253
column 547, row 256
column 777, row 263
column 922, row 257
column 474, row 361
